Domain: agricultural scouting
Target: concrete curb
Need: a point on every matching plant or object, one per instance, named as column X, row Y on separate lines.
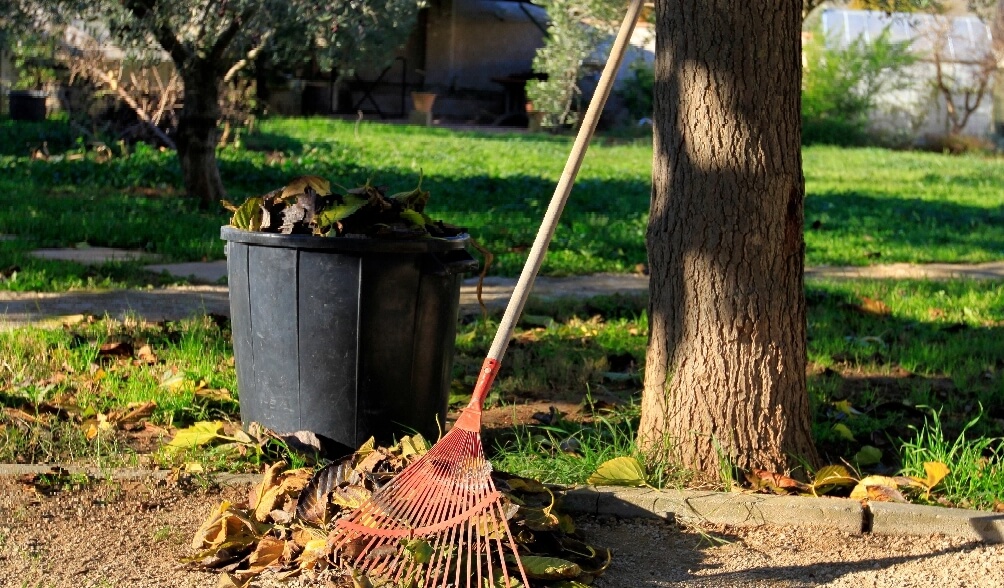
column 693, row 507
column 745, row 510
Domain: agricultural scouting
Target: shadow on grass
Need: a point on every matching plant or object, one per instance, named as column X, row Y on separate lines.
column 902, row 226
column 955, row 367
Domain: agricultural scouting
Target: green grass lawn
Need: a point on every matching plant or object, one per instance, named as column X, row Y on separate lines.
column 911, row 369
column 863, row 206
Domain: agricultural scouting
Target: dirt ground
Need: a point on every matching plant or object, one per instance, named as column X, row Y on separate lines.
column 132, row 534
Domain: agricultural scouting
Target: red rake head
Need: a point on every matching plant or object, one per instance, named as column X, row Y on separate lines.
column 440, row 522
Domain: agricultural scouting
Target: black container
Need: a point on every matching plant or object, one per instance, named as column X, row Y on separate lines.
column 345, row 337
column 27, row 105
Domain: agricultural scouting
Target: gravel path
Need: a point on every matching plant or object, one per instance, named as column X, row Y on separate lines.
column 132, row 534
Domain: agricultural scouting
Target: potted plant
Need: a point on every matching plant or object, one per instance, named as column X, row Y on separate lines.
column 422, row 111
column 34, row 59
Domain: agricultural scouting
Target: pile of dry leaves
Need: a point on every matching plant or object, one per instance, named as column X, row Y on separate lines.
column 284, row 526
column 307, row 206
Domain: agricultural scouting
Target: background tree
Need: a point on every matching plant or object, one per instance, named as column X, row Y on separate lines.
column 725, row 366
column 575, row 30
column 209, row 42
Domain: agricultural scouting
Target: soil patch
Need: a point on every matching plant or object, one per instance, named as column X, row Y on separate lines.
column 132, row 534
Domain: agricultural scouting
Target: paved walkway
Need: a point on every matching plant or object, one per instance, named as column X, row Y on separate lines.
column 52, row 309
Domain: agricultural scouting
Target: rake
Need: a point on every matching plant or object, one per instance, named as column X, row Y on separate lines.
column 441, row 521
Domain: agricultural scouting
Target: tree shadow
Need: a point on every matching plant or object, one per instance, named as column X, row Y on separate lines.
column 651, row 551
column 876, row 225
column 954, row 374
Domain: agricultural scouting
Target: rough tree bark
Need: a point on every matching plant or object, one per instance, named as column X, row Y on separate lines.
column 198, row 133
column 725, row 367
column 201, row 69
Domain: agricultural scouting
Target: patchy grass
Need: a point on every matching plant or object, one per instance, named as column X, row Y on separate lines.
column 863, row 206
column 912, row 369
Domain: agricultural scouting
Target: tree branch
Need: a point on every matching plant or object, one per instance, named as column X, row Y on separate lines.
column 128, row 99
column 141, row 9
column 227, row 36
column 251, row 56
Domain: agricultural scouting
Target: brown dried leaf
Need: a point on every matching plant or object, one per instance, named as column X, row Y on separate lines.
column 312, row 506
column 369, row 463
column 267, row 554
column 775, row 482
column 288, row 485
column 132, row 413
column 146, row 355
column 874, row 306
column 350, row 496
column 228, row 580
column 115, row 349
column 319, row 185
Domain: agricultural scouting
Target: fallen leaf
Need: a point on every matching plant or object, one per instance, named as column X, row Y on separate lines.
column 199, row 434
column 831, row 476
column 115, row 349
column 843, row 431
column 350, row 496
column 268, row 553
column 314, row 554
column 228, row 580
column 874, row 306
column 312, row 506
column 619, row 471
column 132, row 413
column 775, row 482
column 146, row 355
column 549, row 568
column 869, row 486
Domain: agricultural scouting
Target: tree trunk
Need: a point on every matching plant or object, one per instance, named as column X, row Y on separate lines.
column 725, row 366
column 197, row 133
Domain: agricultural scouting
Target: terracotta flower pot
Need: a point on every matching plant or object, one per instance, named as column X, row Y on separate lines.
column 423, row 101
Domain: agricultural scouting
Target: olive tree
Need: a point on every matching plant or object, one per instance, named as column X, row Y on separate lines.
column 575, row 30
column 210, row 41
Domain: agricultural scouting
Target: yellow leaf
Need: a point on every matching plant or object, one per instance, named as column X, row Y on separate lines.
column 314, row 553
column 843, row 431
column 832, row 475
column 248, row 216
column 172, row 382
column 199, row 434
column 936, row 472
column 619, row 471
column 860, row 492
column 549, row 568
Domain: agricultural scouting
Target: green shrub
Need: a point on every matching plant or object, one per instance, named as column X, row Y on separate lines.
column 636, row 90
column 840, row 85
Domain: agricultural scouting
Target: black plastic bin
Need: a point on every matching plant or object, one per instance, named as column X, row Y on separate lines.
column 345, row 337
column 27, row 104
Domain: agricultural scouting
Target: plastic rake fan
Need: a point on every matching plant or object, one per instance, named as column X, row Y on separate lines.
column 441, row 521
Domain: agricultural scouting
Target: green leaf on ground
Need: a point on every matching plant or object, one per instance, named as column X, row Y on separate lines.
column 619, row 471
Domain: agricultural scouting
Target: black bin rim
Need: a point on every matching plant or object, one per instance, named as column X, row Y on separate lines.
column 347, row 244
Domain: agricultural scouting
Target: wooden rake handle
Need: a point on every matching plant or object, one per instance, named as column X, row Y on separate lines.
column 536, row 257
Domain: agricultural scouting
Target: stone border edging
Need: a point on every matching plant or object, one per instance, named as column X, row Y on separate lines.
column 693, row 506
column 738, row 509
